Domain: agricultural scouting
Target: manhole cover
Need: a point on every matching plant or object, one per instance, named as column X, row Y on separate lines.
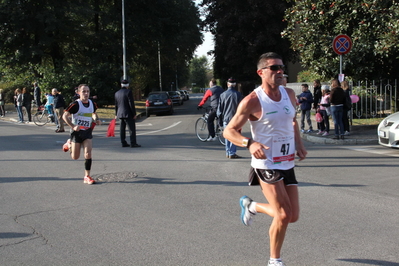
column 115, row 177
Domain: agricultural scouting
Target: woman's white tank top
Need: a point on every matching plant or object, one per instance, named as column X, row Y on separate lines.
column 275, row 129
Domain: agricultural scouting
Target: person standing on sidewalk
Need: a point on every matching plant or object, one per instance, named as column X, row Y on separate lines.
column 59, row 105
column 324, row 110
column 306, row 100
column 37, row 94
column 270, row 109
column 82, row 112
column 2, row 103
column 18, row 101
column 228, row 103
column 213, row 93
column 337, row 100
column 347, row 107
column 27, row 102
column 125, row 110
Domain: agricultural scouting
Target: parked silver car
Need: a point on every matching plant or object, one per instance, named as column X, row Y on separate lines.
column 388, row 131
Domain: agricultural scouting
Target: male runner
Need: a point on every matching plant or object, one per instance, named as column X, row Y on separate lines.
column 83, row 112
column 270, row 110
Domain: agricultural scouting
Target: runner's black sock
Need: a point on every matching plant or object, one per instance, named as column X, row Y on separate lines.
column 88, row 164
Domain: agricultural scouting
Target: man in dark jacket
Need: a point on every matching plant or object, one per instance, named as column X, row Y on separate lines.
column 228, row 103
column 59, row 106
column 213, row 93
column 125, row 110
column 37, row 95
column 306, row 100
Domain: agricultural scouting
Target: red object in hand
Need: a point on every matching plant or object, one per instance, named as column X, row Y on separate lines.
column 111, row 128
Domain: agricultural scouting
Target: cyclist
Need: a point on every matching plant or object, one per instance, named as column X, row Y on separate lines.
column 213, row 93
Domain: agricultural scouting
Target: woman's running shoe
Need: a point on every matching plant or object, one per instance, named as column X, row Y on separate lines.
column 88, row 180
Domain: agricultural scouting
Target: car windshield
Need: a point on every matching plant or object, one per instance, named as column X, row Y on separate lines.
column 172, row 93
column 160, row 96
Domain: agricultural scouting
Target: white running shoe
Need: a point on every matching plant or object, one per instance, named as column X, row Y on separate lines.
column 211, row 139
column 246, row 215
column 275, row 263
column 320, row 132
column 325, row 134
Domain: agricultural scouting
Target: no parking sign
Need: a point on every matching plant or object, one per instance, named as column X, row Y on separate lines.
column 342, row 44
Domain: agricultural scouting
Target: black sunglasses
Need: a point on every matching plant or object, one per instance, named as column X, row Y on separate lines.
column 275, row 67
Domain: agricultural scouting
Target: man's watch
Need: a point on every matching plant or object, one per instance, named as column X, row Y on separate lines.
column 245, row 142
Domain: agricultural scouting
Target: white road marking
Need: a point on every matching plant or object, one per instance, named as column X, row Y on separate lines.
column 163, row 129
column 387, row 151
column 143, row 125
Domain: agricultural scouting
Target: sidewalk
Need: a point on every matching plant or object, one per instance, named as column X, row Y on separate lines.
column 359, row 135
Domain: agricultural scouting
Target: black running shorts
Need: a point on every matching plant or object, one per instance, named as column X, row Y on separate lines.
column 81, row 135
column 272, row 176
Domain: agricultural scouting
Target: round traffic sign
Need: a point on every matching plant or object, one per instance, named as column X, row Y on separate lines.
column 342, row 44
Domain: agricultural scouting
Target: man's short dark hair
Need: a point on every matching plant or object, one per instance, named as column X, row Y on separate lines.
column 266, row 56
column 305, row 85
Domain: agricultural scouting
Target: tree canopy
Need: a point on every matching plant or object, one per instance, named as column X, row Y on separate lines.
column 243, row 30
column 372, row 25
column 64, row 43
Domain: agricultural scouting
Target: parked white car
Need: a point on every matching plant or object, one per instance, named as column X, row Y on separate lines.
column 388, row 131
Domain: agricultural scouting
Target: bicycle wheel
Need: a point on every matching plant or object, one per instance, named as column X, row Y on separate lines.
column 41, row 118
column 219, row 134
column 201, row 129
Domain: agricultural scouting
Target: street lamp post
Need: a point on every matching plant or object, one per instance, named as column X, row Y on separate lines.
column 124, row 40
column 159, row 64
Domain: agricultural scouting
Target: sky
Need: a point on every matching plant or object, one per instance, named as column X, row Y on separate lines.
column 208, row 41
column 206, row 45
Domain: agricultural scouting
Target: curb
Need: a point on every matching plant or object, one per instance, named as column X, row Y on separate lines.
column 330, row 141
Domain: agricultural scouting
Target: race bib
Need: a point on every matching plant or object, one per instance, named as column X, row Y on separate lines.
column 83, row 121
column 283, row 149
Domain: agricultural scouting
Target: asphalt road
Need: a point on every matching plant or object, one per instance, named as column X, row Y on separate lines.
column 174, row 201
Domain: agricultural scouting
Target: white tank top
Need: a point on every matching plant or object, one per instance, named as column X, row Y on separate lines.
column 83, row 118
column 275, row 129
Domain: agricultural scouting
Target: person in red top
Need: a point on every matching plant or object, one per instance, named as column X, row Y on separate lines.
column 213, row 93
column 83, row 112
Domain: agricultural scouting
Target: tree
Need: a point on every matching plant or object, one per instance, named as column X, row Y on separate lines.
column 198, row 71
column 243, row 30
column 64, row 43
column 372, row 25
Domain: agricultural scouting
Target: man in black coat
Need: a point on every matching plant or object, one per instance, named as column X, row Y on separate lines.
column 125, row 110
column 59, row 106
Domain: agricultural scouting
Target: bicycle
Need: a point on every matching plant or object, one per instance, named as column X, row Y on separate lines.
column 42, row 117
column 201, row 128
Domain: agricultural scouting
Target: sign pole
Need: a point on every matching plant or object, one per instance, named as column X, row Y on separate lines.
column 340, row 64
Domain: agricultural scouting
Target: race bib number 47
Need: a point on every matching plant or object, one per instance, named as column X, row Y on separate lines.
column 283, row 149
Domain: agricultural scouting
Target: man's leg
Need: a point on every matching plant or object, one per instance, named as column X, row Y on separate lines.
column 283, row 207
column 211, row 124
column 60, row 112
column 303, row 119
column 131, row 123
column 122, row 131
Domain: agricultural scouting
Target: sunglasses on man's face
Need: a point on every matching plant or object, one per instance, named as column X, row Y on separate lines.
column 275, row 67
